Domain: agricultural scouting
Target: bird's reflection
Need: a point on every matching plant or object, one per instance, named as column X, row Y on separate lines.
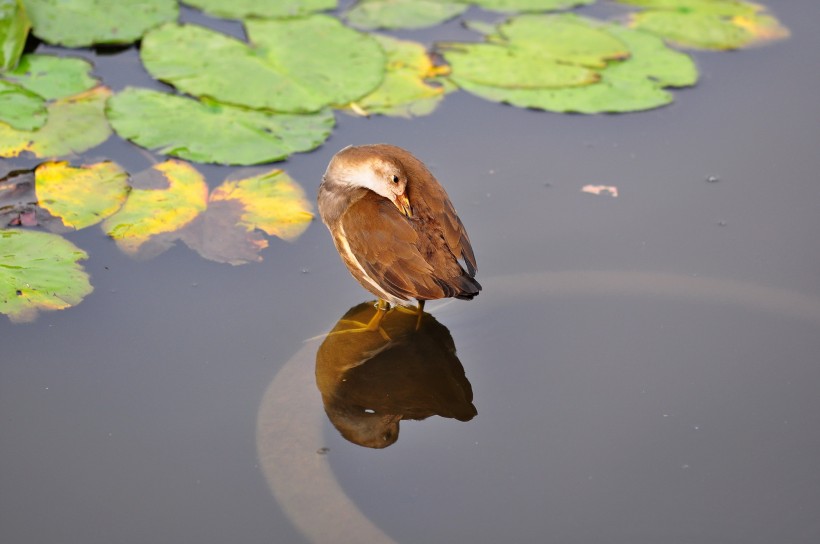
column 369, row 383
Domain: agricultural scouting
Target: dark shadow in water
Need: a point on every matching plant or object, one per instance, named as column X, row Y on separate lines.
column 369, row 383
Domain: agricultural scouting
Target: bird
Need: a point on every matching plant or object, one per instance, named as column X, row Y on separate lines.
column 396, row 229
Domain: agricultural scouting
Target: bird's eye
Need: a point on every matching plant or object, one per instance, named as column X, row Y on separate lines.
column 395, row 178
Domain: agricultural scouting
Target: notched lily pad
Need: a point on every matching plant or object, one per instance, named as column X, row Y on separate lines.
column 529, row 5
column 53, row 77
column 413, row 86
column 81, row 196
column 151, row 212
column 75, row 124
column 20, row 108
column 242, row 9
column 214, row 132
column 81, row 23
column 390, row 14
column 707, row 24
column 279, row 70
column 39, row 271
column 14, row 27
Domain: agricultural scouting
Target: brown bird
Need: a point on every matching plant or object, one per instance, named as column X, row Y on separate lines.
column 395, row 228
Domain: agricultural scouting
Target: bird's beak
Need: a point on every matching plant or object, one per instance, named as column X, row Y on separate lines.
column 403, row 204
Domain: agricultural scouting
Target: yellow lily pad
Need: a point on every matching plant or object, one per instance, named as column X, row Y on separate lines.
column 272, row 202
column 75, row 124
column 39, row 271
column 81, row 196
column 150, row 212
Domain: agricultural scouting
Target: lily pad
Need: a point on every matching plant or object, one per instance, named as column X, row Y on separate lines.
column 629, row 85
column 39, row 271
column 14, row 27
column 241, row 9
column 272, row 202
column 279, row 70
column 53, row 77
column 372, row 14
column 20, row 108
column 728, row 8
column 529, row 5
column 81, row 196
column 406, row 90
column 214, row 132
column 80, row 23
column 151, row 212
column 75, row 124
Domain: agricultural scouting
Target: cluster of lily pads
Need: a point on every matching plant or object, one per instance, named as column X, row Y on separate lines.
column 260, row 99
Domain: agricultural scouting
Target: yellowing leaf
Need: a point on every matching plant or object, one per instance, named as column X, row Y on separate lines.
column 272, row 202
column 39, row 271
column 75, row 124
column 149, row 212
column 81, row 196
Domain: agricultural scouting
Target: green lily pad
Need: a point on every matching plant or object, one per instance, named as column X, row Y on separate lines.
column 214, row 132
column 280, row 70
column 151, row 212
column 53, row 77
column 81, row 196
column 528, row 5
column 501, row 66
column 75, row 124
column 629, row 85
column 241, row 9
column 728, row 8
column 372, row 14
column 272, row 202
column 405, row 91
column 20, row 108
column 39, row 271
column 14, row 27
column 80, row 23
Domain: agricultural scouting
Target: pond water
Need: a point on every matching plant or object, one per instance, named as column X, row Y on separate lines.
column 645, row 368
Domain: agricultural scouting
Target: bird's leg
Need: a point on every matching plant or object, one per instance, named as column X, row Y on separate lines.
column 418, row 311
column 420, row 314
column 374, row 325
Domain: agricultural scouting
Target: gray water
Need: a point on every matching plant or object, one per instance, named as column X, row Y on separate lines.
column 645, row 368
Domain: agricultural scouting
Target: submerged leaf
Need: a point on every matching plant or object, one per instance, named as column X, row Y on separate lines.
column 241, row 9
column 14, row 27
column 53, row 77
column 405, row 90
column 372, row 14
column 528, row 5
column 271, row 202
column 81, row 196
column 151, row 212
column 39, row 271
column 280, row 70
column 20, row 108
column 80, row 23
column 214, row 132
column 75, row 124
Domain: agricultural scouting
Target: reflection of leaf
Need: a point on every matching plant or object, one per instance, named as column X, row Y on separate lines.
column 21, row 108
column 528, row 5
column 214, row 132
column 404, row 91
column 82, row 196
column 372, row 14
column 240, row 9
column 39, row 271
column 707, row 24
column 14, row 27
column 271, row 202
column 81, row 23
column 281, row 69
column 53, row 77
column 149, row 212
column 75, row 124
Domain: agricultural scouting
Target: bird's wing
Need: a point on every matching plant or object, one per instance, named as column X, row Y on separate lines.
column 386, row 246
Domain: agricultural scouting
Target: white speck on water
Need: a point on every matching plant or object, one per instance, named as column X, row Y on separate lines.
column 684, row 467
